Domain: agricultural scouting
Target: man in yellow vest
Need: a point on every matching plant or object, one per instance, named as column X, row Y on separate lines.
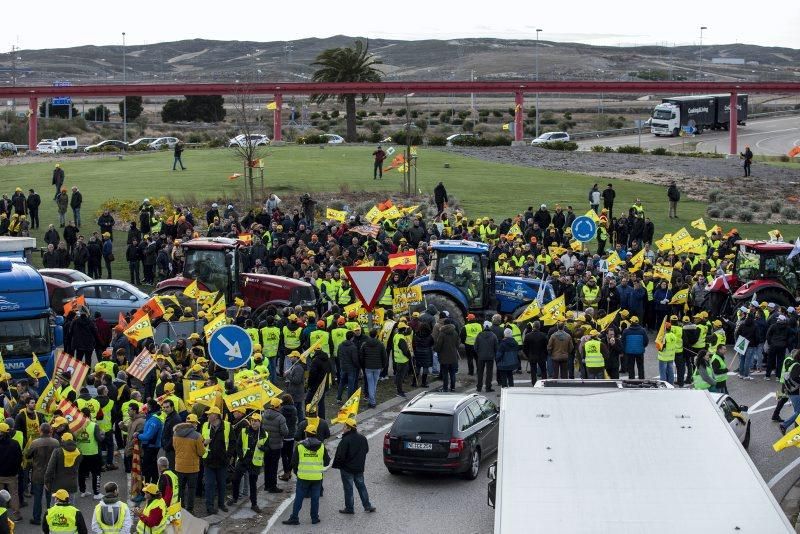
column 401, row 345
column 252, row 444
column 63, row 517
column 88, row 441
column 594, row 352
column 469, row 332
column 153, row 518
column 590, row 294
column 111, row 516
column 271, row 341
column 308, row 462
column 217, row 438
column 666, row 355
column 680, row 359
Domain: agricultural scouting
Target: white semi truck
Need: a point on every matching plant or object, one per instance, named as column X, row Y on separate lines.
column 622, row 460
column 701, row 112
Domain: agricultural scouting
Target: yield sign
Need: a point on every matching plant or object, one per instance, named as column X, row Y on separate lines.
column 368, row 283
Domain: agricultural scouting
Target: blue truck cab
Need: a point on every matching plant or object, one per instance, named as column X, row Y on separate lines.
column 27, row 324
column 461, row 280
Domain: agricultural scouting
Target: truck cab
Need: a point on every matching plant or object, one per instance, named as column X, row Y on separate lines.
column 666, row 119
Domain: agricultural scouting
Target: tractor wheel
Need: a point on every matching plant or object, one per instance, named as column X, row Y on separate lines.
column 714, row 303
column 780, row 298
column 444, row 303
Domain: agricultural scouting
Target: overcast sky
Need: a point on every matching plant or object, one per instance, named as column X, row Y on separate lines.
column 619, row 22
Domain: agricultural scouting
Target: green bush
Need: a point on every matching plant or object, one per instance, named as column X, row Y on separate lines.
column 728, row 213
column 399, row 138
column 499, row 140
column 566, row 125
column 334, row 113
column 483, row 113
column 497, row 113
column 784, row 158
column 745, row 215
column 458, row 121
column 661, row 151
column 422, row 124
column 598, row 148
column 437, row 140
column 775, row 206
column 468, row 126
column 311, row 139
column 755, row 206
column 629, row 149
column 709, row 155
column 714, row 195
column 361, row 113
column 217, row 142
column 568, row 146
column 400, row 112
column 195, row 137
column 314, row 116
column 435, row 113
column 790, row 213
column 713, row 211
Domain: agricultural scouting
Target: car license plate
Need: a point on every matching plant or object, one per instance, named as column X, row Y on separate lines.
column 419, row 446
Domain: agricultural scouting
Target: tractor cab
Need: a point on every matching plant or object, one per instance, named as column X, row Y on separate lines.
column 767, row 260
column 464, row 265
column 215, row 264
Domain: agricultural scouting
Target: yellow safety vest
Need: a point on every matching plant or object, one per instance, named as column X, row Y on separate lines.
column 667, row 353
column 105, row 422
column 92, row 404
column 594, row 355
column 63, row 392
column 176, row 490
column 701, row 339
column 62, row 518
column 271, row 337
column 472, row 331
column 323, row 335
column 18, row 438
column 253, row 333
column 291, row 338
column 649, row 286
column 206, row 433
column 399, row 357
column 31, row 426
column 678, row 331
column 591, row 296
column 515, row 333
column 158, row 529
column 386, row 298
column 345, row 296
column 310, row 464
column 85, row 441
column 258, row 454
column 339, row 335
column 116, row 528
column 107, row 367
column 352, row 325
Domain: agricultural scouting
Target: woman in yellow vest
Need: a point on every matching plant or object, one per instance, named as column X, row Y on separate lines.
column 153, row 518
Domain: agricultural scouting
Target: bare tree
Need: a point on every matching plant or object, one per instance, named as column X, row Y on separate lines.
column 250, row 147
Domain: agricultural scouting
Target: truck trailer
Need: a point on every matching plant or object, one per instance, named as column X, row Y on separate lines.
column 624, row 461
column 701, row 112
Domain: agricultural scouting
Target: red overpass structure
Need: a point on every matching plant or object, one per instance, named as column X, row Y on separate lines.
column 516, row 88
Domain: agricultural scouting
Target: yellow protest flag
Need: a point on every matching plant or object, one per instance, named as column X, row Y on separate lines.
column 681, row 236
column 190, row 385
column 410, row 209
column 660, row 335
column 614, row 261
column 660, row 271
column 775, row 235
column 637, row 261
column 140, row 329
column 46, row 399
column 665, row 243
column 349, row 408
column 2, row 366
column 700, row 224
column 218, row 307
column 313, row 405
column 191, row 290
column 310, row 350
column 790, row 439
column 576, row 246
column 271, row 389
column 252, row 398
column 208, row 396
column 219, row 320
column 554, row 310
column 272, row 106
column 391, row 214
column 557, row 251
column 680, row 297
column 713, row 230
column 531, row 311
column 35, row 369
column 604, row 323
column 514, row 230
column 335, row 215
column 593, row 216
column 373, row 215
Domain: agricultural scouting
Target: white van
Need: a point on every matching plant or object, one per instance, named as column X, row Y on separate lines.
column 67, row 144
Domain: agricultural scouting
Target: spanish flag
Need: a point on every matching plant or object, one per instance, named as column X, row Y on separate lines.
column 403, row 260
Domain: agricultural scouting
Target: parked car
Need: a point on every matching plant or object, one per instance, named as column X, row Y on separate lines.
column 452, row 138
column 102, row 145
column 254, row 140
column 67, row 275
column 47, row 146
column 142, row 142
column 7, row 149
column 110, row 297
column 333, row 139
column 67, row 144
column 549, row 137
column 736, row 415
column 162, row 142
column 59, row 292
column 442, row 433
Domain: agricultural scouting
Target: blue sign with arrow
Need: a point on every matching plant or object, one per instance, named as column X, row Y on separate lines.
column 583, row 228
column 230, row 347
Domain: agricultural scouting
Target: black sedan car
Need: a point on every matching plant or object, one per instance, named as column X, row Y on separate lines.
column 442, row 433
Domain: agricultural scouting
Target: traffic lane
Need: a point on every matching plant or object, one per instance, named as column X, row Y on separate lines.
column 404, row 502
column 85, row 504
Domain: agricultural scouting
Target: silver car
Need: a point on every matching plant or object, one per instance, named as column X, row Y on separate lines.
column 110, row 297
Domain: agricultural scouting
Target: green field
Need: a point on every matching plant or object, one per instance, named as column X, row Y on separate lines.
column 483, row 188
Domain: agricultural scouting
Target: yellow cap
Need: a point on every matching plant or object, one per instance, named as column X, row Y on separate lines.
column 58, row 421
column 255, row 416
column 213, row 411
column 152, row 489
column 187, row 309
column 594, row 333
column 192, row 418
column 351, row 422
column 194, row 335
column 294, row 354
column 61, row 495
column 293, row 317
column 4, row 427
column 275, row 402
column 634, row 320
column 197, row 368
column 717, row 323
column 624, row 313
column 169, row 386
column 257, row 348
column 763, row 304
column 66, row 436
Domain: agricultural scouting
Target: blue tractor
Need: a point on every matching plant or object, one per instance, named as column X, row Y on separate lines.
column 462, row 280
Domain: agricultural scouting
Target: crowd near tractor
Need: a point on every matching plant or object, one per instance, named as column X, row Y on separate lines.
column 217, row 263
column 462, row 280
column 762, row 272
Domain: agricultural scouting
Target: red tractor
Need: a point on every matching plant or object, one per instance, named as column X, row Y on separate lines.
column 215, row 262
column 762, row 271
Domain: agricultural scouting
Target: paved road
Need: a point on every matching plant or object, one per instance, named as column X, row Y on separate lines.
column 407, row 502
column 771, row 137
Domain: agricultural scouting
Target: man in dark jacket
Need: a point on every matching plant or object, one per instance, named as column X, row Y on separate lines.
column 674, row 196
column 172, row 419
column 18, row 202
column 84, row 334
column 274, row 424
column 319, row 370
column 447, row 347
column 440, row 197
column 634, row 341
column 33, row 202
column 534, row 345
column 133, row 257
column 215, row 464
column 309, row 476
column 75, row 203
column 58, row 179
column 373, row 360
column 350, row 458
column 349, row 366
column 608, row 200
column 485, row 352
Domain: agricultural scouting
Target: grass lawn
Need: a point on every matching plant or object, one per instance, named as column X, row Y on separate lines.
column 483, row 188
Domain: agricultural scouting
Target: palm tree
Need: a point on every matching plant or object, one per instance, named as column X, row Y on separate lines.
column 348, row 64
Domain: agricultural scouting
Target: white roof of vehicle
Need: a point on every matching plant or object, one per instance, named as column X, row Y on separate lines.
column 625, row 461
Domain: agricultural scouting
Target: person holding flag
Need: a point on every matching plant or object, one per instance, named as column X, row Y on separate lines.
column 350, row 459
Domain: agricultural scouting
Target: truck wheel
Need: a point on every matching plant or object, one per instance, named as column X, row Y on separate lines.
column 699, row 130
column 676, row 132
column 444, row 303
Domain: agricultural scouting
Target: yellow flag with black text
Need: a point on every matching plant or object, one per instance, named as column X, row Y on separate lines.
column 790, row 439
column 700, row 224
column 349, row 408
column 529, row 313
column 680, row 297
column 35, row 369
column 191, row 290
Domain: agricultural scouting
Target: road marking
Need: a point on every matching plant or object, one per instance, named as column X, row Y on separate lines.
column 753, row 412
column 782, row 473
column 764, row 399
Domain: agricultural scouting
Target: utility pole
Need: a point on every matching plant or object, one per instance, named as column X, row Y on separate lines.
column 14, row 49
column 472, row 95
column 124, row 98
column 700, row 74
column 538, row 30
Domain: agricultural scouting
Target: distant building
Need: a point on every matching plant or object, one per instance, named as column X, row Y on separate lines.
column 728, row 60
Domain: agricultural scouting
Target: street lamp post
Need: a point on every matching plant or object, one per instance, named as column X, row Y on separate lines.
column 701, row 50
column 124, row 98
column 407, row 164
column 537, row 79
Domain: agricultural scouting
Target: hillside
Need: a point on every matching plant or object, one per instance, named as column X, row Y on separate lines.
column 207, row 60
